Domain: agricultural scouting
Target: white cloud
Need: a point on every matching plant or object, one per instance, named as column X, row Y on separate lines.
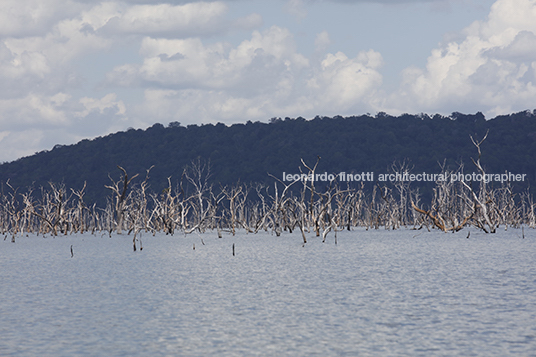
column 391, row 2
column 296, row 8
column 109, row 101
column 191, row 19
column 21, row 18
column 18, row 72
column 260, row 78
column 343, row 82
column 44, row 108
column 185, row 72
column 491, row 68
column 521, row 49
column 43, row 121
column 10, row 142
column 255, row 64
column 69, row 38
column 41, row 42
column 98, row 27
column 36, row 110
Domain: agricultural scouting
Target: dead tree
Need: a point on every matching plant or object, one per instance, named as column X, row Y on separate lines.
column 197, row 175
column 138, row 207
column 232, row 194
column 450, row 210
column 120, row 189
column 278, row 214
column 325, row 217
column 262, row 210
column 53, row 209
column 403, row 190
column 14, row 212
column 237, row 197
column 311, row 187
column 79, row 224
column 483, row 200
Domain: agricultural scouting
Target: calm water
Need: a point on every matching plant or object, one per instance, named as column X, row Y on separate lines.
column 376, row 293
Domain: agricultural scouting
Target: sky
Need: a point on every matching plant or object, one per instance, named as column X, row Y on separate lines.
column 76, row 69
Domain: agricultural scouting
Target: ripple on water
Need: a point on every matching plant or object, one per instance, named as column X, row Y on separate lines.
column 374, row 293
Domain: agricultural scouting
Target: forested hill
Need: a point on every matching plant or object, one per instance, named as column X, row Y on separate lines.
column 248, row 152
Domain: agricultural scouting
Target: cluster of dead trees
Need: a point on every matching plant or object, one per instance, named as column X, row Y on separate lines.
column 195, row 205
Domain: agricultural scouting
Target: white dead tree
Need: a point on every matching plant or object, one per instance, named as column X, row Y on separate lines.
column 484, row 218
column 202, row 207
column 236, row 196
column 138, row 214
column 450, row 209
column 261, row 210
column 403, row 191
column 528, row 209
column 119, row 189
column 13, row 211
column 53, row 210
column 325, row 218
column 166, row 210
column 309, row 185
column 279, row 215
column 79, row 222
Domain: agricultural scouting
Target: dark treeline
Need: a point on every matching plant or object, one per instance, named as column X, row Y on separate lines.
column 246, row 153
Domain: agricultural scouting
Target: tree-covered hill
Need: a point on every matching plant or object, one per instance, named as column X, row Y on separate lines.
column 248, row 152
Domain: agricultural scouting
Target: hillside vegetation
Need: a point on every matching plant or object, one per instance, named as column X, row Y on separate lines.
column 246, row 153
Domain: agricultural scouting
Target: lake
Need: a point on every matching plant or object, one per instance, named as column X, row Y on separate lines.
column 374, row 293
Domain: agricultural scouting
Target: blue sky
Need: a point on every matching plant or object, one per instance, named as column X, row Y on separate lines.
column 72, row 69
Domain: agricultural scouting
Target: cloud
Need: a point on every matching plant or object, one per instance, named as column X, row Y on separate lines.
column 176, row 21
column 185, row 72
column 261, row 77
column 10, row 143
column 492, row 68
column 41, row 66
column 296, row 8
column 253, row 65
column 100, row 105
column 98, row 116
column 391, row 2
column 22, row 18
column 98, row 27
column 300, row 4
column 341, row 81
column 42, row 42
column 521, row 49
column 55, row 110
column 68, row 38
column 36, row 110
column 43, row 121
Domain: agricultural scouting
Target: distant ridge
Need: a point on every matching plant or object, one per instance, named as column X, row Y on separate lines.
column 248, row 152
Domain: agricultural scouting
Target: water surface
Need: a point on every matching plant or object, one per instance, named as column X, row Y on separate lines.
column 388, row 293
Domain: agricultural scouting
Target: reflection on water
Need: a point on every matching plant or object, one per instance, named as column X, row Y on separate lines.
column 374, row 293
